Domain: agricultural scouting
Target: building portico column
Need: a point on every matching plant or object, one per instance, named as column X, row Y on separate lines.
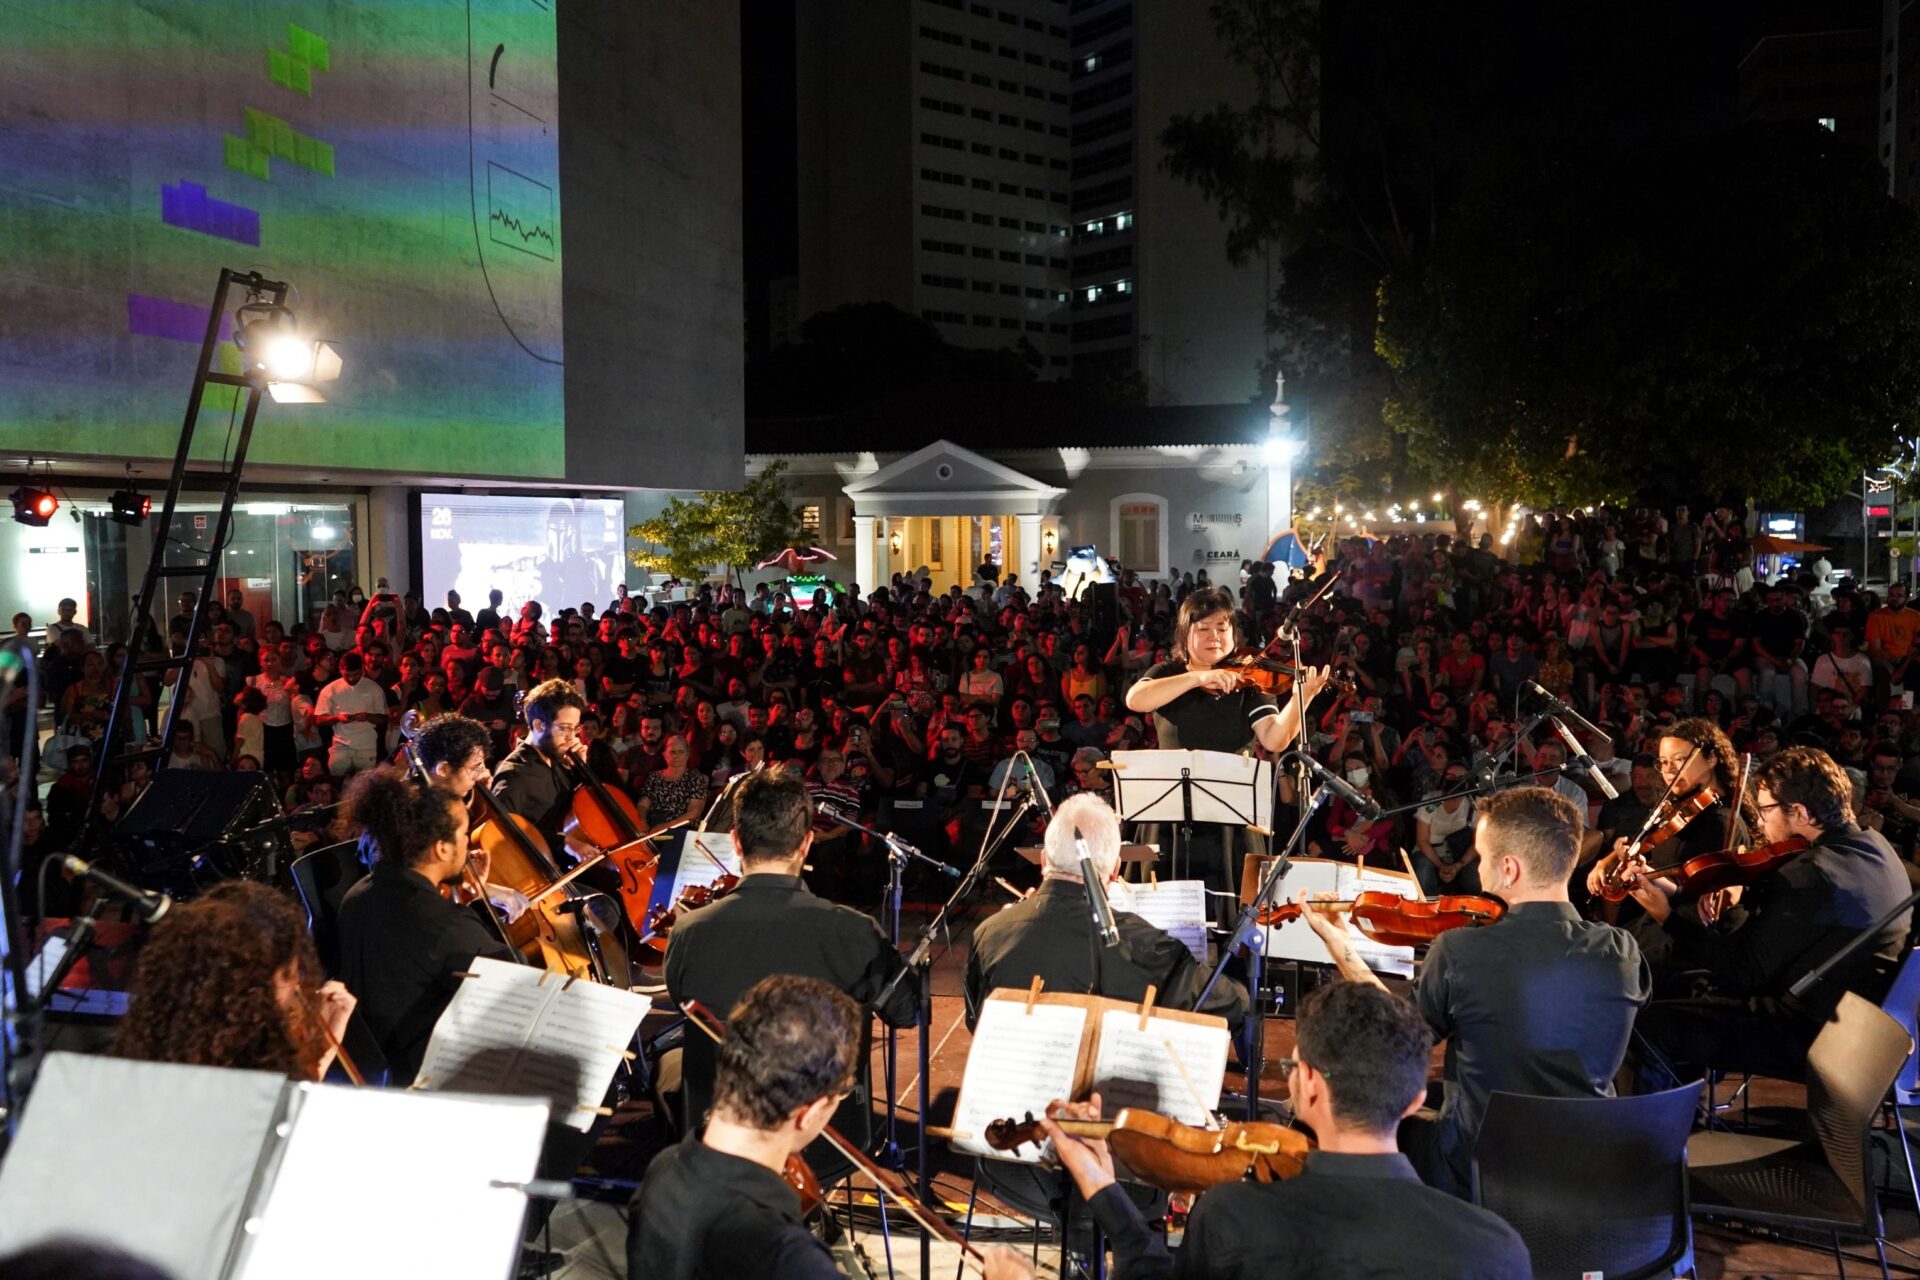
column 863, row 551
column 1029, row 567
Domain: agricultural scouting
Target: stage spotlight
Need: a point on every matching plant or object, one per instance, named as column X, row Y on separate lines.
column 34, row 506
column 289, row 362
column 130, row 506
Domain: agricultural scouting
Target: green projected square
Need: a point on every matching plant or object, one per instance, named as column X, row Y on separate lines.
column 279, row 68
column 322, row 157
column 301, row 80
column 308, row 47
column 259, row 130
column 238, row 153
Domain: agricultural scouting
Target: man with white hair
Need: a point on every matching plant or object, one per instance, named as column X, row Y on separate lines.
column 1050, row 935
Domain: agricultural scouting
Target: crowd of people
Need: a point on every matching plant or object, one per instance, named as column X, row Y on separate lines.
column 1423, row 669
column 906, row 694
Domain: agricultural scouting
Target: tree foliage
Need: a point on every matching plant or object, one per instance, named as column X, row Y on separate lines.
column 734, row 529
column 1489, row 285
column 1737, row 313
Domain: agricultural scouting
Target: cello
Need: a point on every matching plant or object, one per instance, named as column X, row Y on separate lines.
column 470, row 881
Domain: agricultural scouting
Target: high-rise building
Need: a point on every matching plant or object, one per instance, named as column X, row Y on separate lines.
column 1900, row 98
column 933, row 165
column 1815, row 63
column 1153, row 291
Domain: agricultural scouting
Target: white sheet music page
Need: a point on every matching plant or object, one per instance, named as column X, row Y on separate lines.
column 703, row 857
column 1296, row 940
column 384, row 1182
column 1019, row 1062
column 1177, row 906
column 578, row 1043
column 515, row 1029
column 1135, row 1068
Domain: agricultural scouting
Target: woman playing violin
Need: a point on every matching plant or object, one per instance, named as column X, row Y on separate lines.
column 231, row 980
column 1199, row 705
column 1696, row 761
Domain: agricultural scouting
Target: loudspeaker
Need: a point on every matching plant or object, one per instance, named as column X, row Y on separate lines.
column 190, row 827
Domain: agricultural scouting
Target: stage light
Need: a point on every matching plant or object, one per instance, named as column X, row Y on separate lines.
column 130, row 506
column 278, row 353
column 34, row 506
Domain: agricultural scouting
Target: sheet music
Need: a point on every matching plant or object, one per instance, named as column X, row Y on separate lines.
column 695, row 867
column 1177, row 906
column 514, row 1029
column 1019, row 1062
column 1296, row 940
column 366, row 1173
column 1135, row 1068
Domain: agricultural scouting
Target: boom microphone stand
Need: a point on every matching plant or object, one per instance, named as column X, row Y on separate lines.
column 920, row 963
column 899, row 854
column 21, row 1021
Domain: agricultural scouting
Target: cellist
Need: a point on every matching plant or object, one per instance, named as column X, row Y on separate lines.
column 1540, row 1002
column 452, row 750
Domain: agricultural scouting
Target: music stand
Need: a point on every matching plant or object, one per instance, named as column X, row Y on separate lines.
column 1185, row 787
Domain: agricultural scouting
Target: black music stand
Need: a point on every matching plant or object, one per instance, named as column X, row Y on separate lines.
column 1185, row 787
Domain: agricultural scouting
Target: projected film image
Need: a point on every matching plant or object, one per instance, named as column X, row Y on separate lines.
column 560, row 551
column 396, row 163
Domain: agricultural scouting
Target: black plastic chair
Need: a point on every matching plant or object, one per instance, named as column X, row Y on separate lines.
column 322, row 877
column 1824, row 1183
column 1593, row 1185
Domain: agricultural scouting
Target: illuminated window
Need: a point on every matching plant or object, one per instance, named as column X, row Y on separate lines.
column 1830, row 124
column 810, row 519
column 1123, row 286
column 1122, row 221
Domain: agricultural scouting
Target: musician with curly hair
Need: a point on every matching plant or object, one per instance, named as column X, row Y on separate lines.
column 231, row 980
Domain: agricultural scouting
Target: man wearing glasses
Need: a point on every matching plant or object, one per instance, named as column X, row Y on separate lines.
column 1763, row 940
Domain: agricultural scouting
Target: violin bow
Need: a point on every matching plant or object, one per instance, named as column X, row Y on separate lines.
column 339, row 1050
column 705, row 1019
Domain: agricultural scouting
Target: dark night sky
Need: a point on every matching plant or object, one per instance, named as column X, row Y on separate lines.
column 1626, row 73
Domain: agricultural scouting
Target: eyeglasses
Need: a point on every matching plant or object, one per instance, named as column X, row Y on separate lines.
column 1285, row 1067
column 1762, row 808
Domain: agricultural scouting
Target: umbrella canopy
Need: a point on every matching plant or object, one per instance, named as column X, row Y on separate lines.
column 1768, row 544
column 1287, row 549
column 795, row 559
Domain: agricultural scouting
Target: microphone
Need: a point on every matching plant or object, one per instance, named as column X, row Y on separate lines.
column 1031, row 780
column 146, row 903
column 1096, row 893
column 1586, row 726
column 1361, row 803
column 1578, row 754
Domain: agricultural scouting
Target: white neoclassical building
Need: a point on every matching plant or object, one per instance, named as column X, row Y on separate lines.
column 1196, row 487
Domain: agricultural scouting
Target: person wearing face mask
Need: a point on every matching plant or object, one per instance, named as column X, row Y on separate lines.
column 1541, row 1002
column 1350, row 835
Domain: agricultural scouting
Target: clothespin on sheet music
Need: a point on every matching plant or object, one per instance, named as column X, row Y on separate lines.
column 464, row 974
column 628, row 1054
column 544, row 975
column 1033, row 993
column 1146, row 1005
column 1153, row 878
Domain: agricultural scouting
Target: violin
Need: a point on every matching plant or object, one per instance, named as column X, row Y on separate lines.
column 1724, row 868
column 1394, row 921
column 1272, row 676
column 1165, row 1153
column 799, row 1175
column 1663, row 824
column 660, row 921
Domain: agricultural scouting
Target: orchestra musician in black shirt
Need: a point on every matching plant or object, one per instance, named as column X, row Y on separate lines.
column 1694, row 757
column 716, row 1207
column 403, row 944
column 772, row 924
column 1050, row 935
column 1358, row 1208
column 1199, row 705
column 1754, row 944
column 1540, row 1002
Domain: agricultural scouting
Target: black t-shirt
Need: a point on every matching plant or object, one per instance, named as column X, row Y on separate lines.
column 1717, row 637
column 1201, row 721
column 1778, row 631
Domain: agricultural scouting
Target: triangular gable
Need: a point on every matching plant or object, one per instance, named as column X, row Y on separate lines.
column 919, row 473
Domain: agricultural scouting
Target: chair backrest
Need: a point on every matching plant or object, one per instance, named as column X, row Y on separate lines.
column 1850, row 1067
column 1903, row 1006
column 1591, row 1184
column 322, row 877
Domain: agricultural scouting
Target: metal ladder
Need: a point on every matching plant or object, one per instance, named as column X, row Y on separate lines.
column 227, row 479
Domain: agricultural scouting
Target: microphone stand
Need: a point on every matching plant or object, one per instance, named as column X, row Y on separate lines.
column 21, row 1021
column 920, row 963
column 899, row 853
